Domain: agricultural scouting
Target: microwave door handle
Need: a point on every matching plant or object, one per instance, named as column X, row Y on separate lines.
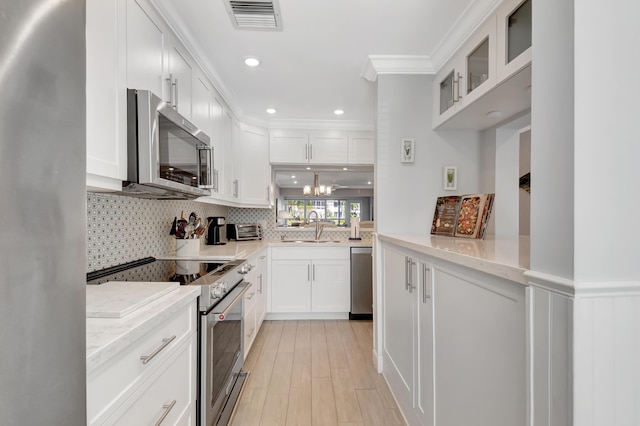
column 208, row 151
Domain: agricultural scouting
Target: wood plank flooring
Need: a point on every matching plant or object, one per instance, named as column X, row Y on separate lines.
column 314, row 373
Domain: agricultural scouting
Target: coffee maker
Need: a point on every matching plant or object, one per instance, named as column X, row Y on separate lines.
column 213, row 232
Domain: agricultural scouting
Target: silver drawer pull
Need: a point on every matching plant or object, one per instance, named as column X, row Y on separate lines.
column 249, row 297
column 165, row 342
column 167, row 408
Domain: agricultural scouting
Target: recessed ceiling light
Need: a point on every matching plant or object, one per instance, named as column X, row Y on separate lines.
column 369, row 183
column 344, row 168
column 271, row 110
column 293, row 176
column 308, row 168
column 251, row 62
column 338, row 112
column 295, row 181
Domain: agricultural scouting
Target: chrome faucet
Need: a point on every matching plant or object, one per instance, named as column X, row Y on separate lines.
column 319, row 228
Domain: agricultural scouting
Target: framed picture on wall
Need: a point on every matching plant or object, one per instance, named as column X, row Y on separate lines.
column 450, row 178
column 407, row 154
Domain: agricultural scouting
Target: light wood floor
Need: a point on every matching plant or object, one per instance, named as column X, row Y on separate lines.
column 314, row 373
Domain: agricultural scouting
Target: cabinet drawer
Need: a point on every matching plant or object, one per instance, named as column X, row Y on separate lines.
column 119, row 377
column 170, row 391
column 305, row 253
column 250, row 297
column 250, row 329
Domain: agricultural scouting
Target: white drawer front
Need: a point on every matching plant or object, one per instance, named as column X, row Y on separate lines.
column 114, row 381
column 170, row 392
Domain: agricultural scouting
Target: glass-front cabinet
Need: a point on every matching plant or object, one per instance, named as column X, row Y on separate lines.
column 514, row 33
column 469, row 74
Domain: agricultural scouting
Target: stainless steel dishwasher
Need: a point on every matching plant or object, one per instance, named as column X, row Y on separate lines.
column 361, row 284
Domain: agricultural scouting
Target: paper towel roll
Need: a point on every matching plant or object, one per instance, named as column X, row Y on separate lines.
column 355, row 227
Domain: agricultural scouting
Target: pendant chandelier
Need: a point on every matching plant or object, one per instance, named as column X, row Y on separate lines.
column 316, row 189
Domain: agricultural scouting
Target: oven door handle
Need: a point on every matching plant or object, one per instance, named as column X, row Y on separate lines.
column 239, row 291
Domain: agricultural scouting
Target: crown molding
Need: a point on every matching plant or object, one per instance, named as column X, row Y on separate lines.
column 321, row 124
column 397, row 64
column 467, row 23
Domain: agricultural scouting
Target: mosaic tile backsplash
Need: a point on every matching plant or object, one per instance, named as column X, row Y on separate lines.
column 121, row 229
column 266, row 217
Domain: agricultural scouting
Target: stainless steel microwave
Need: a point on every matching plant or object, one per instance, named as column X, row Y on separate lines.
column 168, row 157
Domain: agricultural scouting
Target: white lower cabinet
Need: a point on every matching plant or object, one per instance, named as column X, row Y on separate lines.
column 127, row 390
column 309, row 280
column 454, row 346
column 255, row 299
column 408, row 333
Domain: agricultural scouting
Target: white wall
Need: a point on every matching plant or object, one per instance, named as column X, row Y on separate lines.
column 552, row 138
column 407, row 192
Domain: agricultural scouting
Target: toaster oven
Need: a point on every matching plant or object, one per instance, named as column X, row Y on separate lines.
column 242, row 232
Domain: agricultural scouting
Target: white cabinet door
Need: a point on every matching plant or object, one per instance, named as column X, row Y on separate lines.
column 146, row 40
column 424, row 386
column 399, row 305
column 290, row 286
column 261, row 278
column 288, row 147
column 106, row 50
column 330, row 290
column 514, row 25
column 361, row 148
column 180, row 70
column 255, row 177
column 328, row 148
column 480, row 351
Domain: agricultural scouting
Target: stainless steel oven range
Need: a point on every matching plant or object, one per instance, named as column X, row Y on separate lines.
column 220, row 326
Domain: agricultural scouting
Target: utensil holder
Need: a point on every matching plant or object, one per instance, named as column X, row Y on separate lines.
column 187, row 247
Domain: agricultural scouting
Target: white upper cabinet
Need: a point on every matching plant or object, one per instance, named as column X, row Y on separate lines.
column 179, row 78
column 488, row 79
column 255, row 173
column 514, row 34
column 327, row 148
column 331, row 147
column 288, row 147
column 146, row 37
column 106, row 95
column 361, row 148
column 468, row 75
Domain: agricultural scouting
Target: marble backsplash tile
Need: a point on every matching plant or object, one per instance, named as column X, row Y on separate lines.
column 121, row 229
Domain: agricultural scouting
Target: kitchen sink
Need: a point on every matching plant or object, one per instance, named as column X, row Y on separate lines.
column 311, row 241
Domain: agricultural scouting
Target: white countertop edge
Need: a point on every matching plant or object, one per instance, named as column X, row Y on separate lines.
column 108, row 336
column 492, row 266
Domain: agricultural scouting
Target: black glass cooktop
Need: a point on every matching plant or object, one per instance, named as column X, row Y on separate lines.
column 150, row 269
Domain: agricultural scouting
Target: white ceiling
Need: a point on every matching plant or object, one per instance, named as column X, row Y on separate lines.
column 315, row 64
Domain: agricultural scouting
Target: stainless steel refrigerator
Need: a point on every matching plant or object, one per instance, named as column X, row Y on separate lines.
column 42, row 212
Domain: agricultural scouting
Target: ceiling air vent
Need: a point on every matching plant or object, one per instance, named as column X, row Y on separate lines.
column 255, row 14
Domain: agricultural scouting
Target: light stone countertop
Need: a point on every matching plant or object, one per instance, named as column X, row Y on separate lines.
column 106, row 337
column 507, row 259
column 243, row 249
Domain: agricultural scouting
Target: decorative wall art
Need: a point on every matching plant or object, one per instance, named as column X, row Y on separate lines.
column 407, row 155
column 450, row 178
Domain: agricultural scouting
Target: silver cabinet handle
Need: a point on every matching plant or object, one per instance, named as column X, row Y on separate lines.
column 407, row 282
column 314, row 272
column 167, row 408
column 260, row 288
column 425, row 294
column 165, row 342
column 250, row 296
column 175, row 94
column 170, row 90
column 456, row 84
column 308, row 272
column 310, row 151
column 306, row 152
column 411, row 265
